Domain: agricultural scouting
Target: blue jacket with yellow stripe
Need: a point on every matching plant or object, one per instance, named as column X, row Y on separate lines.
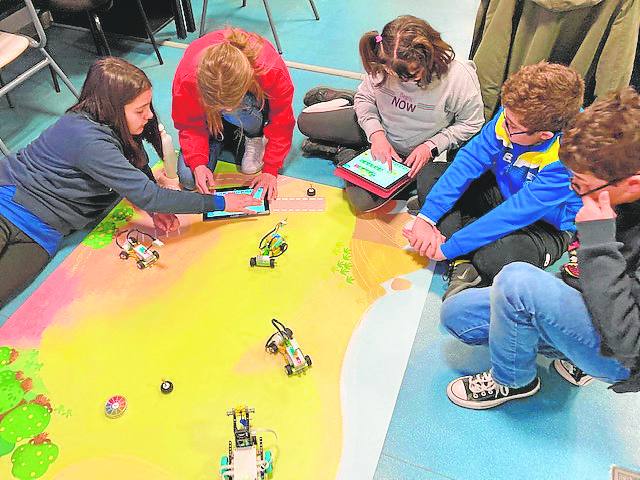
column 533, row 182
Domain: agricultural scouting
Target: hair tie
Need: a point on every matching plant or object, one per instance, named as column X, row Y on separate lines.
column 378, row 38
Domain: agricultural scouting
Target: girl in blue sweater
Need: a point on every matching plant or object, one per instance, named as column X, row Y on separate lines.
column 78, row 168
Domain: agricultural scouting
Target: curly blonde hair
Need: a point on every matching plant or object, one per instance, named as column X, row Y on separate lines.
column 545, row 96
column 226, row 73
column 604, row 140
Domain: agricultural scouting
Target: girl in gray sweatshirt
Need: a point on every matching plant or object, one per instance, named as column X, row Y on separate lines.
column 415, row 102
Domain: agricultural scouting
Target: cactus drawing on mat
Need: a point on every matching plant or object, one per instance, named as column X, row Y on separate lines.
column 344, row 265
column 26, row 421
column 13, row 386
column 7, row 355
column 105, row 232
column 33, row 459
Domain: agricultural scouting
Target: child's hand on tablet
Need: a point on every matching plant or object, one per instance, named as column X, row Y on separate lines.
column 381, row 149
column 235, row 202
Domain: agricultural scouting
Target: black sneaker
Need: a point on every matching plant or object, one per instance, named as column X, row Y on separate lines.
column 315, row 148
column 345, row 155
column 461, row 276
column 324, row 94
column 413, row 206
column 571, row 373
column 480, row 391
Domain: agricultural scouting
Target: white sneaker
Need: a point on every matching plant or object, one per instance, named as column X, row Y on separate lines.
column 571, row 373
column 253, row 154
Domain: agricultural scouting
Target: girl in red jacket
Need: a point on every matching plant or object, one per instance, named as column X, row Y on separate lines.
column 235, row 78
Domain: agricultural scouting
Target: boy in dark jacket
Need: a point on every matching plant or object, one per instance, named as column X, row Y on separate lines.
column 591, row 327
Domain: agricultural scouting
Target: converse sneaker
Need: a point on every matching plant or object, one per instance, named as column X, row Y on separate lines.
column 413, row 206
column 571, row 373
column 315, row 148
column 324, row 94
column 253, row 153
column 481, row 391
column 461, row 275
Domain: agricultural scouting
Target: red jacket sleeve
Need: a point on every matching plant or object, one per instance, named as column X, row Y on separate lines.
column 190, row 121
column 278, row 89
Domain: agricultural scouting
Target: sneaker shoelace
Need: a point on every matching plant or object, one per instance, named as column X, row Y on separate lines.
column 448, row 275
column 574, row 371
column 483, row 384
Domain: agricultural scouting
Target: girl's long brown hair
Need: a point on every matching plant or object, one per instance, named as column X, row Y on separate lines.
column 406, row 42
column 227, row 72
column 111, row 84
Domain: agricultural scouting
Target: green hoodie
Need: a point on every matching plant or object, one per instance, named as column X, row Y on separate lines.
column 596, row 37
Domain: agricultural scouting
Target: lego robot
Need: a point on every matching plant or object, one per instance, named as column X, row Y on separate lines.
column 282, row 341
column 247, row 459
column 271, row 246
column 134, row 247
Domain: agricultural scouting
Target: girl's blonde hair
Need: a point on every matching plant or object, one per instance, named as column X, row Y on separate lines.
column 227, row 72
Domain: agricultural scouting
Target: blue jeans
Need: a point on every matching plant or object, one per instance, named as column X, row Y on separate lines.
column 525, row 312
column 249, row 117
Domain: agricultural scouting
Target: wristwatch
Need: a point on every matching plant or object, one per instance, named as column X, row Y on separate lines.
column 434, row 150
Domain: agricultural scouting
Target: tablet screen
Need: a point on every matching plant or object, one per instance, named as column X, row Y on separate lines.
column 258, row 210
column 376, row 172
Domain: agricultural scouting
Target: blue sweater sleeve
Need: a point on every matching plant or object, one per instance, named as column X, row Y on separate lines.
column 471, row 162
column 532, row 202
column 104, row 162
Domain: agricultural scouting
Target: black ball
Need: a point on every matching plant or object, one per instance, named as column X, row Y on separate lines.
column 166, row 387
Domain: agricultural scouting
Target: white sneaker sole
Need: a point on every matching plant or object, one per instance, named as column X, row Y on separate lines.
column 461, row 402
column 586, row 380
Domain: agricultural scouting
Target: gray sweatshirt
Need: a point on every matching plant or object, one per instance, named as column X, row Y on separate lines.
column 76, row 169
column 448, row 112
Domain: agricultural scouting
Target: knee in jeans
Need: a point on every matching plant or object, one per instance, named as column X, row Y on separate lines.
column 520, row 275
column 452, row 318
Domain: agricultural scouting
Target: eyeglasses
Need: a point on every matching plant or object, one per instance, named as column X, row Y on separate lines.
column 576, row 188
column 507, row 126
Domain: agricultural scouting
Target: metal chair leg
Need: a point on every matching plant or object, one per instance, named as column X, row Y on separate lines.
column 56, row 85
column 203, row 18
column 56, row 68
column 273, row 27
column 4, row 149
column 106, row 50
column 188, row 15
column 315, row 10
column 244, row 3
column 94, row 33
column 2, row 84
column 147, row 28
column 178, row 15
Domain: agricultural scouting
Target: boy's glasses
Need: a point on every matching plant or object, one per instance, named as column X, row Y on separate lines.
column 576, row 187
column 507, row 126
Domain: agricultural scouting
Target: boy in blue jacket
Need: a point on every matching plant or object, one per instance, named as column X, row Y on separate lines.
column 590, row 325
column 506, row 196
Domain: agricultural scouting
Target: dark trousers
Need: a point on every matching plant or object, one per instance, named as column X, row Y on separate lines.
column 539, row 244
column 21, row 260
column 340, row 127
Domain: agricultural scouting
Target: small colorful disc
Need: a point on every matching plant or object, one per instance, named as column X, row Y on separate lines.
column 115, row 406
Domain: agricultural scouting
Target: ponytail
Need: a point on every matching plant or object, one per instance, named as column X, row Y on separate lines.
column 406, row 43
column 370, row 52
column 226, row 73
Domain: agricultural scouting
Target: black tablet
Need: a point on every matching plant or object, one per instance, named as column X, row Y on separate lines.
column 262, row 209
